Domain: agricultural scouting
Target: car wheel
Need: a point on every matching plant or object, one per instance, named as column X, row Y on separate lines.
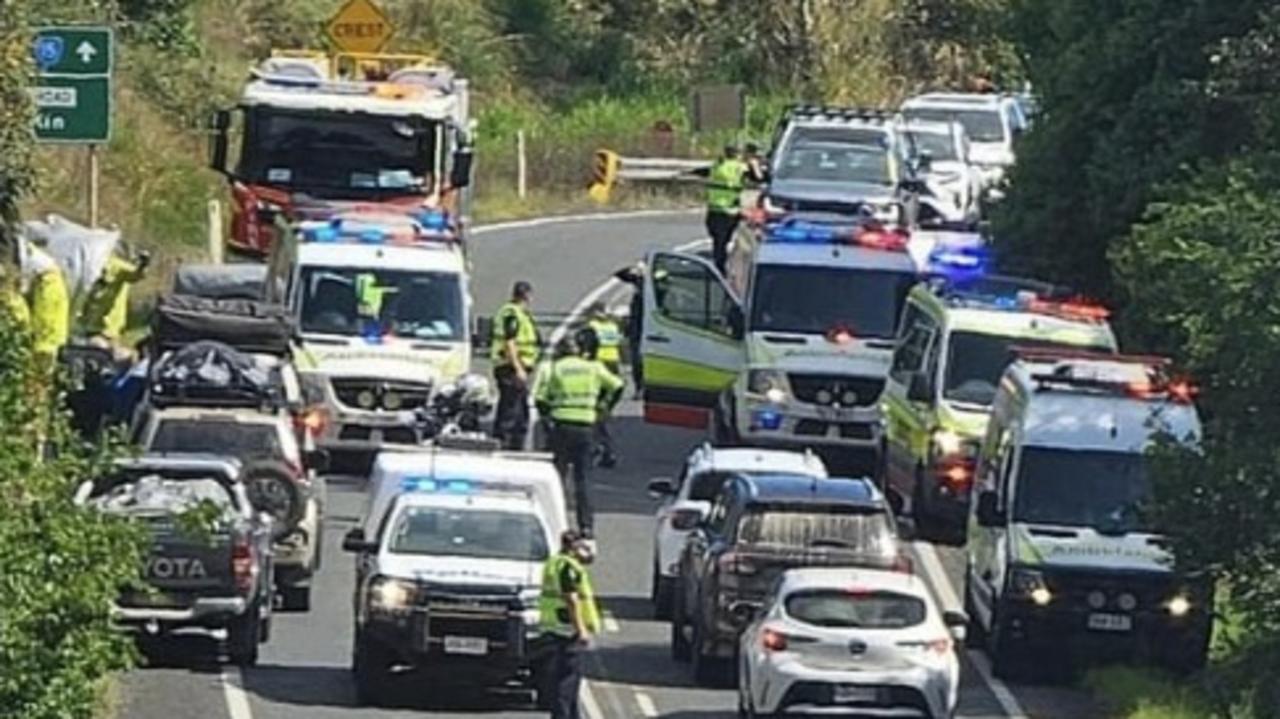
column 244, row 634
column 679, row 643
column 296, row 598
column 974, row 634
column 1003, row 650
column 264, row 631
column 370, row 668
column 660, row 593
column 926, row 528
column 704, row 666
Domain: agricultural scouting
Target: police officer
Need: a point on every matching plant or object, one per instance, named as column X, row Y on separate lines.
column 571, row 394
column 568, row 614
column 602, row 341
column 724, row 195
column 514, row 352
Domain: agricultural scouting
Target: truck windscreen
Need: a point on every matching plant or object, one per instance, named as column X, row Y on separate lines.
column 315, row 152
column 806, row 299
column 355, row 302
column 1103, row 490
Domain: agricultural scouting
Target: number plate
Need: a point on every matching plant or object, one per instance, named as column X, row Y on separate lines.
column 474, row 646
column 1111, row 622
column 836, row 414
column 847, row 694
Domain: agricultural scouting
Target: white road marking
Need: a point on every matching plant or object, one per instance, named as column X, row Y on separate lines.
column 610, row 623
column 590, row 706
column 647, row 707
column 950, row 599
column 588, row 217
column 233, row 692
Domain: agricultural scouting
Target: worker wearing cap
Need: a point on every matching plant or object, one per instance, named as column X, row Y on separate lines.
column 725, row 182
column 106, row 309
column 568, row 614
column 571, row 394
column 601, row 340
column 514, row 352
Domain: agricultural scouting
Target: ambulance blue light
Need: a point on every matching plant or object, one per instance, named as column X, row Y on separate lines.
column 958, row 260
column 437, row 486
column 801, row 233
column 766, row 419
column 373, row 236
column 433, row 220
column 324, row 233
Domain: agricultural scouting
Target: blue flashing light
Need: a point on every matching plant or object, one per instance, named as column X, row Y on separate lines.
column 952, row 261
column 433, row 220
column 1006, row 302
column 323, row 233
column 373, row 236
column 437, row 486
column 801, row 233
column 766, row 419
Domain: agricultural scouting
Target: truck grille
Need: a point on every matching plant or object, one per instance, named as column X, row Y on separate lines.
column 1083, row 590
column 375, row 394
column 493, row 617
column 836, row 390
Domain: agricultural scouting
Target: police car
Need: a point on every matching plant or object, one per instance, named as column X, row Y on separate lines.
column 448, row 570
column 383, row 304
column 1062, row 557
column 955, row 338
column 686, row 502
column 793, row 348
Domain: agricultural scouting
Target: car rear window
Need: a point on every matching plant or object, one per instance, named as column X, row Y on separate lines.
column 862, row 531
column 853, row 609
column 216, row 437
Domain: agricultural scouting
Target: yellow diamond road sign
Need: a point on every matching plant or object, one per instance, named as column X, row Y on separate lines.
column 360, row 27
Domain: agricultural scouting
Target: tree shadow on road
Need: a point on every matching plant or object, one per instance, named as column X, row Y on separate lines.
column 199, row 653
column 331, row 686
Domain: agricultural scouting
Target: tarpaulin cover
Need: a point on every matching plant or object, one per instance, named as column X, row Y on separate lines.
column 256, row 327
column 243, row 281
column 80, row 251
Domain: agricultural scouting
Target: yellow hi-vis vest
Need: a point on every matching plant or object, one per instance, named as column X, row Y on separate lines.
column 553, row 608
column 724, row 185
column 609, row 337
column 573, row 387
column 50, row 313
column 526, row 336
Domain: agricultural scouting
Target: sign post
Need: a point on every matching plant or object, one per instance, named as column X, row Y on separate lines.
column 360, row 26
column 72, row 93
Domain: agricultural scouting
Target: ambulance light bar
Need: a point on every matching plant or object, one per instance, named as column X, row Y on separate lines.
column 868, row 234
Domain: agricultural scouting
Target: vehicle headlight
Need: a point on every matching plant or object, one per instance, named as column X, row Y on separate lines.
column 392, row 401
column 366, row 399
column 1030, row 584
column 770, row 383
column 945, row 442
column 1179, row 606
column 387, row 594
column 887, row 212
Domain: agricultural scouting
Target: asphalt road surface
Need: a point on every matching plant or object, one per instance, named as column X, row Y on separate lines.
column 303, row 672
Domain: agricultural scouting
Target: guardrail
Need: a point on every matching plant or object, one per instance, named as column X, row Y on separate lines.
column 609, row 168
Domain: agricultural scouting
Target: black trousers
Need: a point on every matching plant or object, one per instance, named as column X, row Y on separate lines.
column 720, row 226
column 566, row 673
column 571, row 444
column 604, row 440
column 511, row 420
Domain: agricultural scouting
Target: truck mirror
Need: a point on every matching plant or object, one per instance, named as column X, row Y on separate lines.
column 989, row 514
column 661, row 487
column 219, row 123
column 483, row 334
column 354, row 541
column 919, row 390
column 460, row 173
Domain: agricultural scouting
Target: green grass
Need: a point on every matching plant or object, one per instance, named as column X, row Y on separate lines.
column 1132, row 693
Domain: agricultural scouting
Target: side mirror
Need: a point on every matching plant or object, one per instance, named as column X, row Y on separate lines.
column 219, row 123
column 460, row 173
column 354, row 541
column 660, row 487
column 920, row 389
column 482, row 334
column 989, row 514
column 737, row 323
column 317, row 459
column 690, row 516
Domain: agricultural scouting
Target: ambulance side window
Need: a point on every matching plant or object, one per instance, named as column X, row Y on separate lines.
column 914, row 346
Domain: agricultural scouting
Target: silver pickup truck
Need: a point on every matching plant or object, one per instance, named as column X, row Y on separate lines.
column 215, row 574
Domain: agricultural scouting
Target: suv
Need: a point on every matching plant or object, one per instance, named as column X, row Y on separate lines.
column 758, row 528
column 954, row 343
column 840, row 160
column 1062, row 557
column 953, row 186
column 992, row 122
column 219, row 581
column 686, row 502
column 285, row 484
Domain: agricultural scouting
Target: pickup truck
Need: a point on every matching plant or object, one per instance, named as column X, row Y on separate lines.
column 216, row 575
column 759, row 527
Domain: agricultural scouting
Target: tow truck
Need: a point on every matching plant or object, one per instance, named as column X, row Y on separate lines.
column 391, row 131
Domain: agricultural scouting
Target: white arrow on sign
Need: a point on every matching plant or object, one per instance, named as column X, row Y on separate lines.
column 86, row 51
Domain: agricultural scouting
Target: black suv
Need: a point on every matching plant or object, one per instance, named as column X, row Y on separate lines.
column 759, row 527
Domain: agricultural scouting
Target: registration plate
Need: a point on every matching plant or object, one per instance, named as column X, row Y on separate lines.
column 846, row 694
column 474, row 646
column 836, row 414
column 1111, row 622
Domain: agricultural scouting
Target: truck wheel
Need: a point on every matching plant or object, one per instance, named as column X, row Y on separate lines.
column 1003, row 650
column 244, row 634
column 679, row 644
column 660, row 594
column 296, row 598
column 974, row 634
column 370, row 668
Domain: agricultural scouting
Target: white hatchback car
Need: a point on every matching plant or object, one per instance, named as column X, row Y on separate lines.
column 861, row 642
column 686, row 501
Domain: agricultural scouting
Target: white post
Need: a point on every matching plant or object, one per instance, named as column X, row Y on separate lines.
column 522, row 167
column 93, row 186
column 215, row 232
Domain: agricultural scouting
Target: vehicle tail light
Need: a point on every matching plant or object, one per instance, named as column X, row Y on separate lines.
column 313, row 421
column 773, row 641
column 734, row 563
column 956, row 474
column 243, row 567
column 936, row 646
column 685, row 519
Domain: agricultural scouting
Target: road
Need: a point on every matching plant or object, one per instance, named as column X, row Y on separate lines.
column 303, row 670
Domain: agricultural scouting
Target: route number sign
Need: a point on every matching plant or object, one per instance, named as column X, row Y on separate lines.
column 72, row 92
column 360, row 27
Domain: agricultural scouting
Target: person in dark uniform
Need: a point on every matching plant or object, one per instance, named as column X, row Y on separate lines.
column 514, row 352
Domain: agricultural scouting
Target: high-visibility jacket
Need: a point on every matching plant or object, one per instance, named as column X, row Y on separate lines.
column 573, row 388
column 608, row 339
column 106, row 309
column 50, row 312
column 724, row 185
column 553, row 607
column 526, row 336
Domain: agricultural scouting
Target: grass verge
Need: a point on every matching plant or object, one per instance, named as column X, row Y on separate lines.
column 1134, row 693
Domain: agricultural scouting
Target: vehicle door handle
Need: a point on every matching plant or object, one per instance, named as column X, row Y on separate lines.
column 658, row 338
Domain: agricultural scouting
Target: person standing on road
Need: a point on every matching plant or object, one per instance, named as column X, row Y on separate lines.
column 600, row 339
column 634, row 276
column 571, row 394
column 725, row 182
column 514, row 352
column 568, row 614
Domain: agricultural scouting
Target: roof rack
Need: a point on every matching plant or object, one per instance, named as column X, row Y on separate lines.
column 1151, row 380
column 838, row 112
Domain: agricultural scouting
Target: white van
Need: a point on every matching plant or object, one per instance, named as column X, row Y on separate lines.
column 1062, row 556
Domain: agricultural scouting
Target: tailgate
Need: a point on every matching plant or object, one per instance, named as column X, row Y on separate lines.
column 182, row 565
column 757, row 567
